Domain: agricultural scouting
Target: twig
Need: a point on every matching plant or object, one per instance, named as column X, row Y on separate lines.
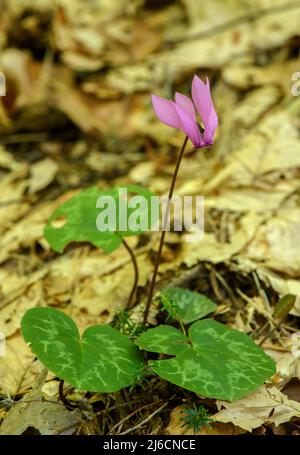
column 145, row 420
column 269, row 334
column 24, row 137
column 226, row 286
column 130, row 415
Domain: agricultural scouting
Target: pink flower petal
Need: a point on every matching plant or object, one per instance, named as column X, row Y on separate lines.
column 166, row 111
column 185, row 103
column 190, row 127
column 202, row 99
column 212, row 123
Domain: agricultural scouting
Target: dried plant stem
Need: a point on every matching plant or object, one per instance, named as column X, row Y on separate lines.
column 163, row 233
column 128, row 417
column 270, row 332
column 132, row 296
column 140, row 424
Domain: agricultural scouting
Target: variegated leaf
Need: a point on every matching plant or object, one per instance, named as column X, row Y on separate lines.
column 102, row 360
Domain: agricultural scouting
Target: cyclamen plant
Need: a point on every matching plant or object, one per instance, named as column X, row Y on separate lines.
column 206, row 356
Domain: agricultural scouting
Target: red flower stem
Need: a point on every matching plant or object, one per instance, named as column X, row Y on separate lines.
column 62, row 397
column 136, row 274
column 163, row 233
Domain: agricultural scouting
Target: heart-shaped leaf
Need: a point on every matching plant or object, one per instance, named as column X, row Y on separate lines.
column 164, row 339
column 102, row 360
column 190, row 305
column 76, row 219
column 221, row 363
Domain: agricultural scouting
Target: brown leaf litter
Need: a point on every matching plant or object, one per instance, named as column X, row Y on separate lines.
column 78, row 113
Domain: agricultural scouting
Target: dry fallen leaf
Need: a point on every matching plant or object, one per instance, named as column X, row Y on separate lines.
column 266, row 405
column 42, row 174
column 286, row 356
column 17, row 371
column 45, row 415
column 245, row 77
column 78, row 112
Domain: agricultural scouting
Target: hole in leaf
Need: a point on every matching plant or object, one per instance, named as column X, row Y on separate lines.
column 104, row 313
column 59, row 222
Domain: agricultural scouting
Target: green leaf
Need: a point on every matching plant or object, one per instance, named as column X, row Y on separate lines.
column 147, row 213
column 190, row 305
column 164, row 339
column 75, row 220
column 284, row 306
column 222, row 363
column 102, row 360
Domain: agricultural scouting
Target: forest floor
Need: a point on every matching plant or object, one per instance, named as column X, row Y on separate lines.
column 77, row 112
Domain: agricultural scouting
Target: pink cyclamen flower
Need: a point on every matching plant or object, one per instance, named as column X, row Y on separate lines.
column 181, row 113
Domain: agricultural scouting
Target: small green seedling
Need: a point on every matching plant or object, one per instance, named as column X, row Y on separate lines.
column 196, row 418
column 185, row 305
